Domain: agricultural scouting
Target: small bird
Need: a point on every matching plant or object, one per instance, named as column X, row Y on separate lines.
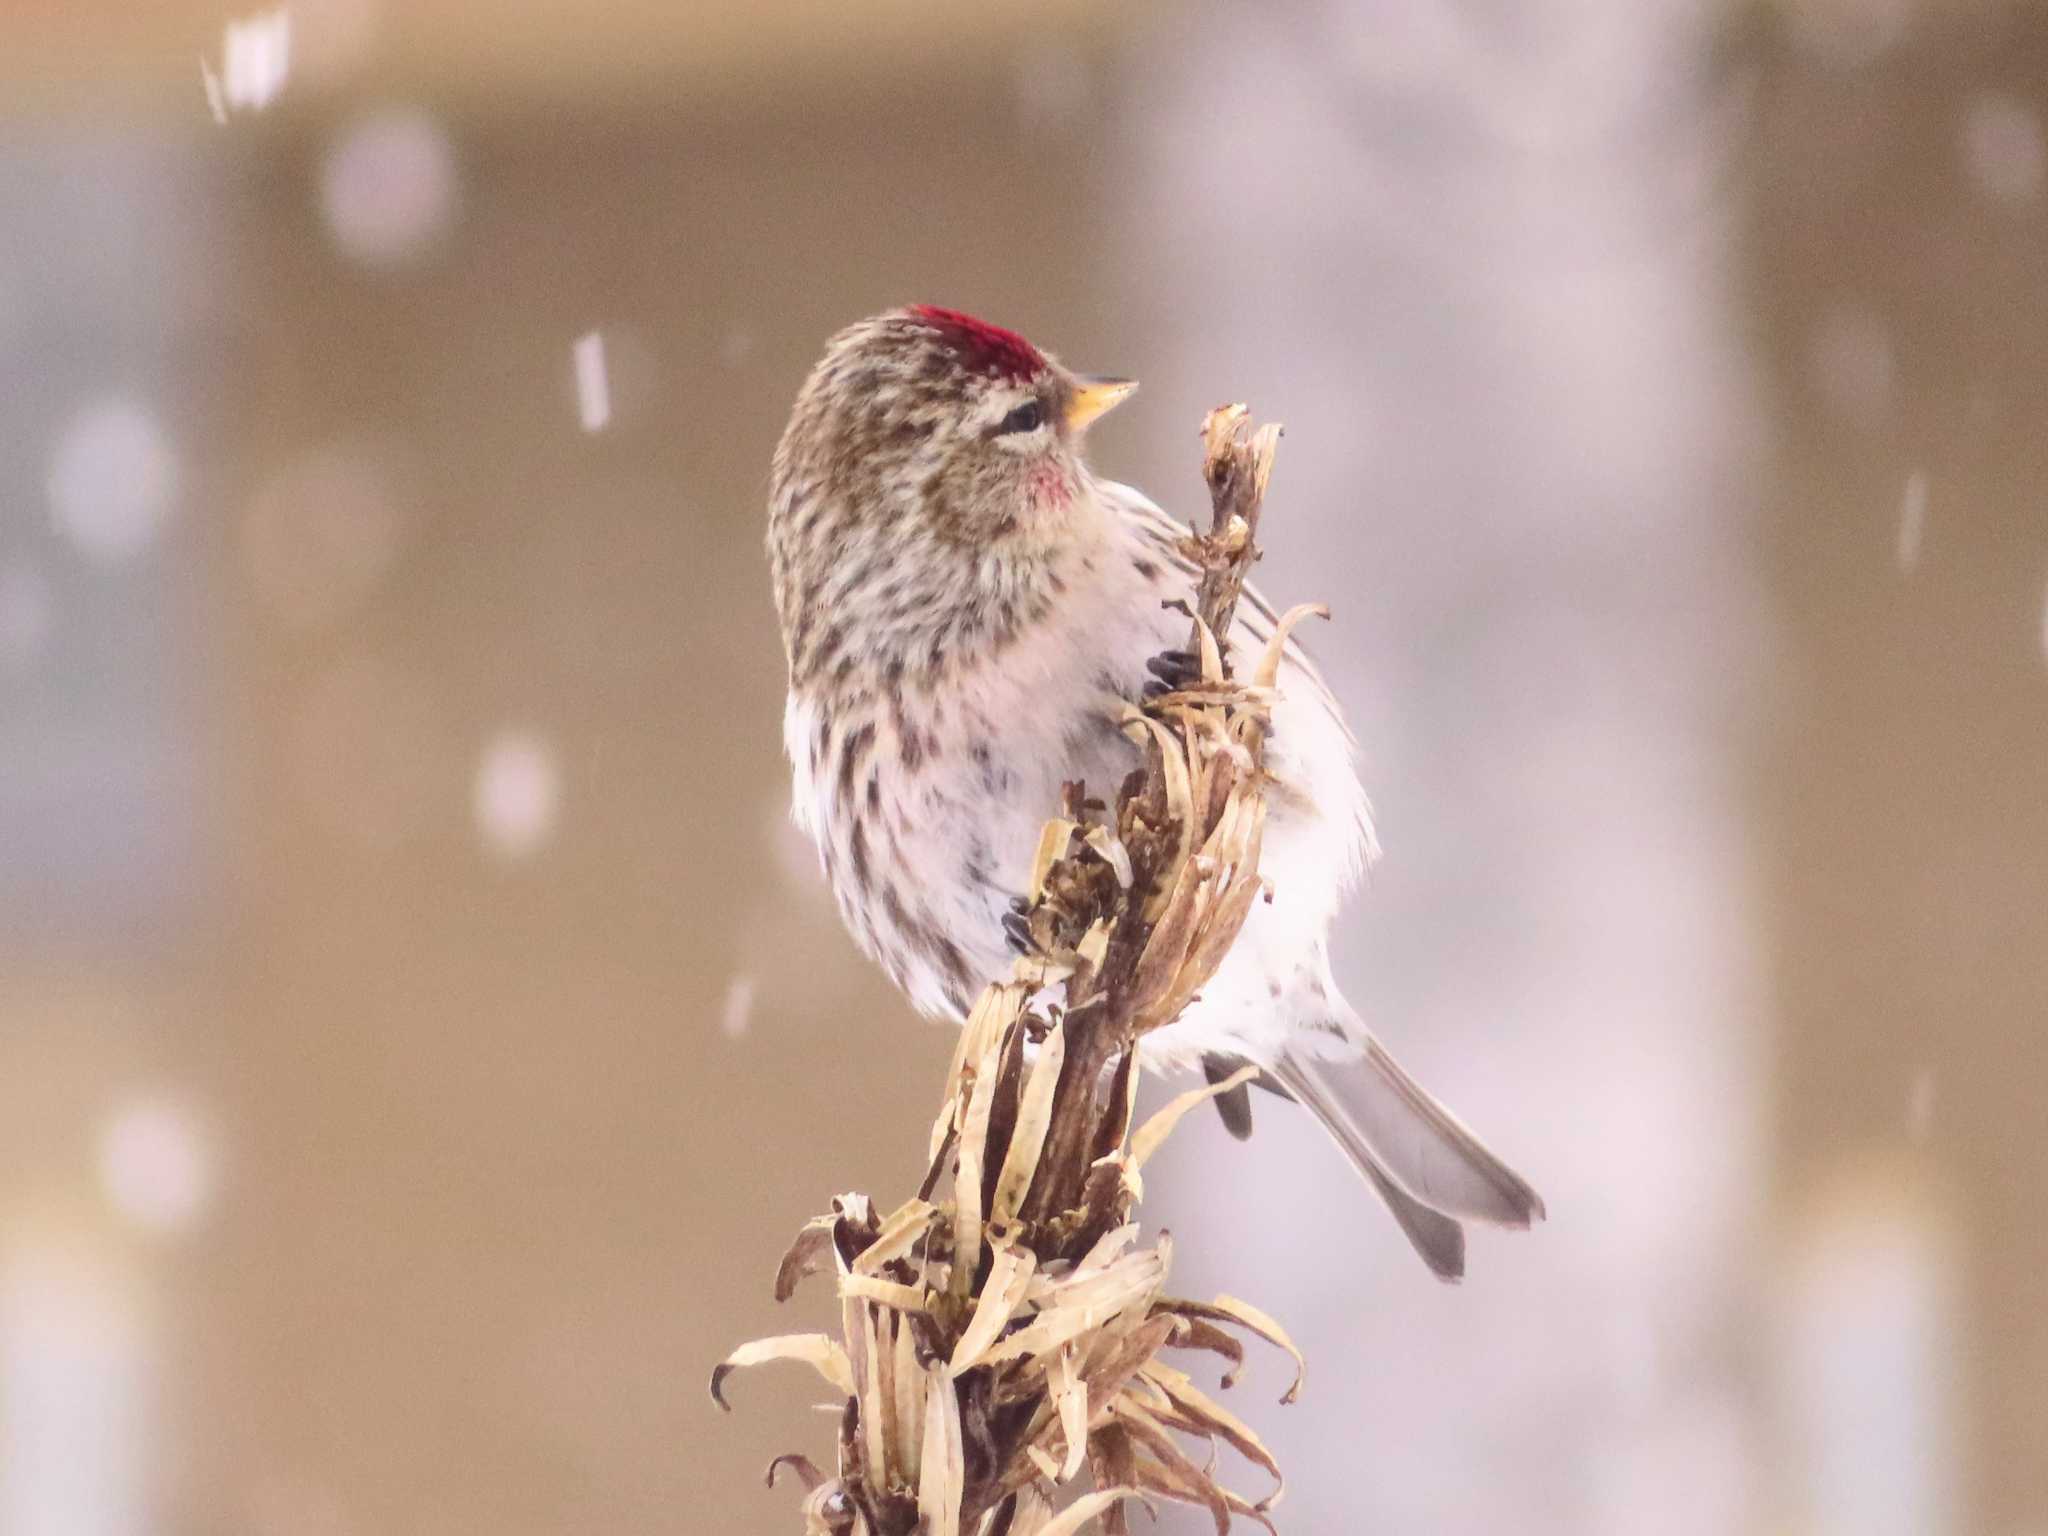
column 968, row 612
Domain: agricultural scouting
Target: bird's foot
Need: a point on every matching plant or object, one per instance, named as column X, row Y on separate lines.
column 1017, row 926
column 1172, row 671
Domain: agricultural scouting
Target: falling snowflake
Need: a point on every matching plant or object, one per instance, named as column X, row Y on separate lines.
column 113, row 478
column 593, row 383
column 738, row 1015
column 1920, row 1106
column 256, row 57
column 517, row 795
column 1912, row 521
column 156, row 1163
column 2004, row 149
column 388, row 187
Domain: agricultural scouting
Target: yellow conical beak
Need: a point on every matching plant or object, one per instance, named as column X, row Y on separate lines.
column 1092, row 397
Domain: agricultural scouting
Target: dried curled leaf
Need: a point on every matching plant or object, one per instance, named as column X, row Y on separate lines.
column 892, row 1294
column 1070, row 1401
column 994, row 1015
column 818, row 1350
column 1107, row 1248
column 1245, row 1315
column 1082, row 1510
column 1191, row 1409
column 900, row 1232
column 1155, row 1477
column 1153, row 1133
column 1053, row 842
column 805, row 1470
column 1268, row 670
column 1180, row 805
column 967, row 1180
column 1205, row 640
column 943, row 1461
column 1114, row 1362
column 806, row 1256
column 1113, row 853
column 1190, row 1484
column 1195, row 1333
column 1027, row 1138
column 1008, row 1281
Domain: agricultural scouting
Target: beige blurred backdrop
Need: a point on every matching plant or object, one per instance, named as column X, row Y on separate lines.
column 420, row 1029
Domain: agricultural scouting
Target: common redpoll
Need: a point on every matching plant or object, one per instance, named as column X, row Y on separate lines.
column 967, row 613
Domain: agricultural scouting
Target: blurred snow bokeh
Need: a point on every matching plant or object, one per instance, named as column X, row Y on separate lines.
column 113, row 478
column 2003, row 148
column 156, row 1162
column 389, row 187
column 593, row 382
column 518, row 794
column 256, row 59
column 1920, row 1101
column 1912, row 523
column 736, row 1018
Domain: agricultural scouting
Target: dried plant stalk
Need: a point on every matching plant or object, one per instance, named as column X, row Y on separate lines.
column 997, row 1342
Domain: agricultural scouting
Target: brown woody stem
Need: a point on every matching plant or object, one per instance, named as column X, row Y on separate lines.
column 1236, row 466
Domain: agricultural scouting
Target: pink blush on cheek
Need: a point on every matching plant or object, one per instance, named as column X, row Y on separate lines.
column 1049, row 488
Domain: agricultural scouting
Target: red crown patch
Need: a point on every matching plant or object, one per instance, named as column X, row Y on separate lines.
column 983, row 347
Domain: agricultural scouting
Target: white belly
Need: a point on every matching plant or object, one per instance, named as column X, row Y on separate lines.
column 949, row 842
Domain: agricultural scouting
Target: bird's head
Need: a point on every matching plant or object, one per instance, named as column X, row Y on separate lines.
column 930, row 457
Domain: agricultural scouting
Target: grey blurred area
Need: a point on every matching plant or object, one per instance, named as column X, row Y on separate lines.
column 420, row 1028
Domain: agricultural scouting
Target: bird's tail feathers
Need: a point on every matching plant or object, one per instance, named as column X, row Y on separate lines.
column 1423, row 1161
column 1439, row 1239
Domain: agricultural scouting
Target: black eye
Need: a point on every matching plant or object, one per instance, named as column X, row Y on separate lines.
column 1028, row 417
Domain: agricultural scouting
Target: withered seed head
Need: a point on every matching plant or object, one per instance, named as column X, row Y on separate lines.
column 1003, row 1330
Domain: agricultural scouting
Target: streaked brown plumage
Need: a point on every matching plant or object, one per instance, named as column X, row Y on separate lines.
column 967, row 611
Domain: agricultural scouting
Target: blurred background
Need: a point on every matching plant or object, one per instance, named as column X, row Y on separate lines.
column 420, row 1028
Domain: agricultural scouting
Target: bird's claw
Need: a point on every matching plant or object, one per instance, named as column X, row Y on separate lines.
column 1017, row 927
column 1172, row 671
